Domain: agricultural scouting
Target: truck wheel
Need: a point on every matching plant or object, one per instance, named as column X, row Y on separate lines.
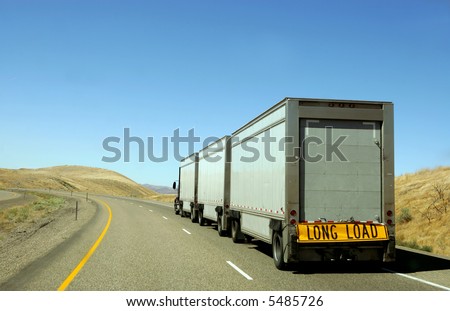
column 278, row 250
column 177, row 210
column 236, row 234
column 181, row 210
column 201, row 220
column 220, row 228
column 193, row 215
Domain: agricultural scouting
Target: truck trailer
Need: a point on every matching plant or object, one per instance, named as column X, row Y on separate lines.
column 186, row 201
column 214, row 184
column 312, row 177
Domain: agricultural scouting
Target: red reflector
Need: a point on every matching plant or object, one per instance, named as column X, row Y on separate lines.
column 293, row 222
column 317, row 221
column 330, row 221
column 369, row 221
column 389, row 213
column 293, row 212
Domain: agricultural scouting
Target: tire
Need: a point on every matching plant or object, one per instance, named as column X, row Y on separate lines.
column 181, row 210
column 194, row 217
column 278, row 250
column 236, row 234
column 219, row 227
column 201, row 220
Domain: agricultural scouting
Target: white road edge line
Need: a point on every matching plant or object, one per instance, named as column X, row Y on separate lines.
column 248, row 277
column 186, row 231
column 417, row 279
column 150, row 210
column 165, row 218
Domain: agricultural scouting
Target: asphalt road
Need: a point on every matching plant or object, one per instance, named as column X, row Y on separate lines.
column 148, row 247
column 10, row 199
column 6, row 195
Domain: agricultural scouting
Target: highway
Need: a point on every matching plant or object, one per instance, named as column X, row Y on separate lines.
column 6, row 195
column 7, row 198
column 145, row 246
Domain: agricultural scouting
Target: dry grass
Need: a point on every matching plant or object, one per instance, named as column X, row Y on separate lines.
column 74, row 178
column 13, row 217
column 423, row 210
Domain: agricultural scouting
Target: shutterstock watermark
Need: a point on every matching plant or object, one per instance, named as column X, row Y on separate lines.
column 311, row 149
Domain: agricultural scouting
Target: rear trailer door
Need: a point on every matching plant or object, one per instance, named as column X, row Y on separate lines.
column 340, row 171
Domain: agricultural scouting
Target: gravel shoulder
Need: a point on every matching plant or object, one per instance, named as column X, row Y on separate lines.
column 33, row 240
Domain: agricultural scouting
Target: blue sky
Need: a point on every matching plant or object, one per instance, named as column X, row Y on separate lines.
column 73, row 73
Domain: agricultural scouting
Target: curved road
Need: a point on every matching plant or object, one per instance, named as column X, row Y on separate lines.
column 148, row 247
column 6, row 195
column 8, row 198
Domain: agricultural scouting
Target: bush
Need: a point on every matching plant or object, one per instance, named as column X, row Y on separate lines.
column 405, row 216
column 48, row 204
column 11, row 214
column 24, row 212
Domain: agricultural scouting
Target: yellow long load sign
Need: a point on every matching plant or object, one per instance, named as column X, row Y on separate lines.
column 340, row 232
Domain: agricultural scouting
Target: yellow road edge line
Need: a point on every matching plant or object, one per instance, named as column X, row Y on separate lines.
column 91, row 251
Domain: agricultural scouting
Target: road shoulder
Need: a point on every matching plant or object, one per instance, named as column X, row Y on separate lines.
column 31, row 241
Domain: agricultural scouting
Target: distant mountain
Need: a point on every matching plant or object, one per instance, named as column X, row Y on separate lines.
column 74, row 178
column 160, row 189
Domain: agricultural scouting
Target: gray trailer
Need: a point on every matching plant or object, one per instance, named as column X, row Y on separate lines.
column 312, row 177
column 186, row 202
column 213, row 194
column 315, row 178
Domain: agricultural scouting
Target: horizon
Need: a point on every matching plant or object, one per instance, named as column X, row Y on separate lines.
column 75, row 73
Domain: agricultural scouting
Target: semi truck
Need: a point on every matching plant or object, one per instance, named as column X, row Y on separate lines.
column 312, row 177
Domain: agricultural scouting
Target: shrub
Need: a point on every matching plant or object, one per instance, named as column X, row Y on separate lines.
column 405, row 215
column 11, row 214
column 23, row 214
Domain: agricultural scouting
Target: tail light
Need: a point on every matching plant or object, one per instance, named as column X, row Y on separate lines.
column 293, row 214
column 389, row 214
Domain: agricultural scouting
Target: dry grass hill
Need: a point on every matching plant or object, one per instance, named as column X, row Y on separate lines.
column 423, row 210
column 74, row 178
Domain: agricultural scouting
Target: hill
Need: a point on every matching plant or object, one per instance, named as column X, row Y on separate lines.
column 423, row 210
column 74, row 178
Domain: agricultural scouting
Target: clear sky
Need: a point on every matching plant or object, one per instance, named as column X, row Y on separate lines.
column 73, row 73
